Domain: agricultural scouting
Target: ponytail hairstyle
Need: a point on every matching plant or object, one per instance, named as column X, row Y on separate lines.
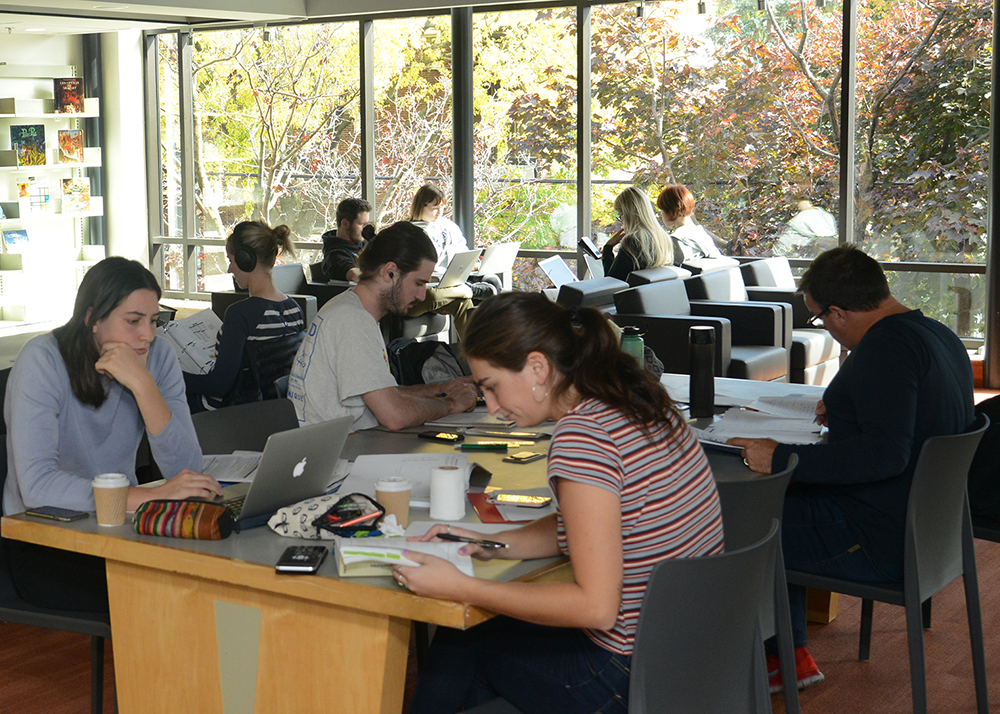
column 580, row 346
column 103, row 288
column 645, row 240
column 402, row 243
column 426, row 195
column 261, row 240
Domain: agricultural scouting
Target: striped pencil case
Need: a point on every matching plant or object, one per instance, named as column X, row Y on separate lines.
column 188, row 518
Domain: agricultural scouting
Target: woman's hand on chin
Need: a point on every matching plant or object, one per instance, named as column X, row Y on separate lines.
column 123, row 364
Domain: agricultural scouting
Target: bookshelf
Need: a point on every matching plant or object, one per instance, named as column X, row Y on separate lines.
column 44, row 252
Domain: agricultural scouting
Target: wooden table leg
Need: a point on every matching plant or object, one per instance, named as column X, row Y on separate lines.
column 187, row 644
column 821, row 606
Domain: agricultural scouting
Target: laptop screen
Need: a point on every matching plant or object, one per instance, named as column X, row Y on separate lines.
column 557, row 270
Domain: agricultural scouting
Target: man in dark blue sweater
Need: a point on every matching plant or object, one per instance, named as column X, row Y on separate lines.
column 908, row 378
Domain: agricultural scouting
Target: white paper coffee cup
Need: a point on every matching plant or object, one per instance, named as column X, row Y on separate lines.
column 447, row 493
column 393, row 492
column 111, row 498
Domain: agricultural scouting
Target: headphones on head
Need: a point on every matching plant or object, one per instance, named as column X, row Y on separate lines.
column 245, row 258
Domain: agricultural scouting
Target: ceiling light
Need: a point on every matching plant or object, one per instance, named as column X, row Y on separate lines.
column 34, row 29
column 111, row 7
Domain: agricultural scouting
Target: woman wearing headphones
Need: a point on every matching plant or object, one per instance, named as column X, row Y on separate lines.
column 267, row 314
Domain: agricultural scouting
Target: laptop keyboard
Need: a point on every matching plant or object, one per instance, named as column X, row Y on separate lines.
column 235, row 504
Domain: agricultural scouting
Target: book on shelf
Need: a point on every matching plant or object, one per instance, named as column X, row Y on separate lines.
column 33, row 197
column 193, row 340
column 28, row 141
column 68, row 93
column 15, row 240
column 75, row 195
column 70, row 146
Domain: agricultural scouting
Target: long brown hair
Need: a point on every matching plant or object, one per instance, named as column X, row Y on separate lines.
column 103, row 288
column 581, row 347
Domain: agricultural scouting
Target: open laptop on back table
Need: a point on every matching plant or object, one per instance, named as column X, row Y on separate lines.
column 296, row 464
column 459, row 269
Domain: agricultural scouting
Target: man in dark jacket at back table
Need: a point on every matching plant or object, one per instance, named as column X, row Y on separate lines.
column 342, row 245
column 908, row 378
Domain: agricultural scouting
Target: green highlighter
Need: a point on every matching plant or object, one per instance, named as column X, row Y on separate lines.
column 485, row 446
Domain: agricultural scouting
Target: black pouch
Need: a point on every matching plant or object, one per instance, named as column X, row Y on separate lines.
column 353, row 513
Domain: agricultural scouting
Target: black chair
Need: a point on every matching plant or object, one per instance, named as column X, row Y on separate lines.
column 749, row 337
column 815, row 355
column 748, row 508
column 262, row 364
column 15, row 610
column 598, row 293
column 680, row 663
column 938, row 549
column 654, row 275
column 244, row 427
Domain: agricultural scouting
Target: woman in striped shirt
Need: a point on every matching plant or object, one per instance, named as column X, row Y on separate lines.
column 632, row 485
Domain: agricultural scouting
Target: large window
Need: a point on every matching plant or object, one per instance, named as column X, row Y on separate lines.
column 741, row 103
column 275, row 115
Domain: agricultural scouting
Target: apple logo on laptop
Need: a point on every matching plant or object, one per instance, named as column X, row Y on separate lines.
column 299, row 468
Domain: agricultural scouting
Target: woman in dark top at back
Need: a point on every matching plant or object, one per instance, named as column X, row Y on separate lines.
column 642, row 242
column 267, row 314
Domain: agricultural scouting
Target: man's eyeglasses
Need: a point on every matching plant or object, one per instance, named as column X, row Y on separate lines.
column 817, row 320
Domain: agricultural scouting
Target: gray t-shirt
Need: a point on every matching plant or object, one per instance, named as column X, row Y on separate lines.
column 56, row 444
column 341, row 359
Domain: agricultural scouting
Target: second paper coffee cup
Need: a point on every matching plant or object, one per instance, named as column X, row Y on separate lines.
column 393, row 492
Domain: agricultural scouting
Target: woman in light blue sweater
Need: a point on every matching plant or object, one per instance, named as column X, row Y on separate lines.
column 78, row 402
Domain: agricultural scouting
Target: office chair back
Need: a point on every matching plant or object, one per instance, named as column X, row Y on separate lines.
column 769, row 273
column 663, row 297
column 748, row 508
column 17, row 611
column 243, row 427
column 680, row 662
column 938, row 506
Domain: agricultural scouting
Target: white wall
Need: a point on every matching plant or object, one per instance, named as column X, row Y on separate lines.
column 124, row 151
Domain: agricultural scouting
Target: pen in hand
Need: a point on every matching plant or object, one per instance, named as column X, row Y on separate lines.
column 474, row 541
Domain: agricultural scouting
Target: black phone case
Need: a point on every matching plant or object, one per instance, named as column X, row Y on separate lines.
column 301, row 559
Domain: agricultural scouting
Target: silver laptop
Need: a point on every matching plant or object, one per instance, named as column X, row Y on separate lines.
column 499, row 258
column 296, row 464
column 557, row 270
column 459, row 269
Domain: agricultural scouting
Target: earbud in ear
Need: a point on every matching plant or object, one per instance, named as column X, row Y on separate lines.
column 391, row 275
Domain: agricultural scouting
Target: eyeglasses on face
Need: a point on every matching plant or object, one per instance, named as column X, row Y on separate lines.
column 817, row 320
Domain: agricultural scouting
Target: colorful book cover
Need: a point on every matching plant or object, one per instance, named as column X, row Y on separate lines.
column 75, row 195
column 68, row 94
column 14, row 241
column 70, row 146
column 28, row 140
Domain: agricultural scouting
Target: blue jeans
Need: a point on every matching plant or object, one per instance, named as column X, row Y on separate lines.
column 817, row 538
column 538, row 669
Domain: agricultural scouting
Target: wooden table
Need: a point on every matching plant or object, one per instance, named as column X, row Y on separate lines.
column 208, row 626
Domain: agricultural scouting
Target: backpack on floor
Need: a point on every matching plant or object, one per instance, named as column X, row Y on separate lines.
column 429, row 362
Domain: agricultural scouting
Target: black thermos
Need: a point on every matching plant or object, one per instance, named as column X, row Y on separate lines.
column 702, row 399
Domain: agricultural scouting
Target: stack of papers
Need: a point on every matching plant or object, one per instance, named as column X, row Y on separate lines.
column 789, row 420
column 237, row 467
column 369, row 468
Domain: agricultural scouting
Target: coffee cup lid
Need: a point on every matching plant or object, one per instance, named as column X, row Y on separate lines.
column 392, row 483
column 110, row 480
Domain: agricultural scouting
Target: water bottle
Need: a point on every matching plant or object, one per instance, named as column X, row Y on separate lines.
column 632, row 344
column 702, row 400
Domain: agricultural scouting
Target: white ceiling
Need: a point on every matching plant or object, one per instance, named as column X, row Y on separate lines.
column 74, row 17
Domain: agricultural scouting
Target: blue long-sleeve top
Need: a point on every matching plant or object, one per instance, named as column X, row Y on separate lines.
column 908, row 379
column 56, row 444
column 252, row 319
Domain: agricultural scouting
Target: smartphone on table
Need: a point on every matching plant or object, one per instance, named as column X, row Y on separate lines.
column 446, row 437
column 53, row 513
